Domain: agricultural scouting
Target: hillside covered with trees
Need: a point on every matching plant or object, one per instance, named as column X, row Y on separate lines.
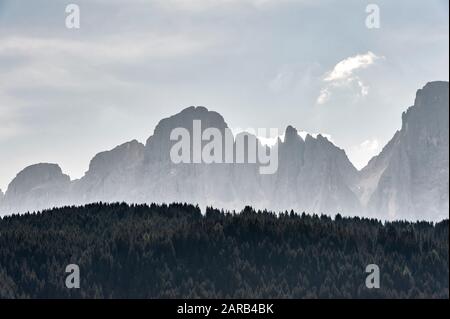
column 175, row 251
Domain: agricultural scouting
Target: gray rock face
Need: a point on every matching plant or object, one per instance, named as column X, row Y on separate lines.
column 112, row 175
column 314, row 176
column 37, row 187
column 163, row 181
column 408, row 179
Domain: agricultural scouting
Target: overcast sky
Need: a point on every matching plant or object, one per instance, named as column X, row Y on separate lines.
column 67, row 94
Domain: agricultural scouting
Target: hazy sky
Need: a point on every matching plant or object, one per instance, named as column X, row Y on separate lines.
column 67, row 94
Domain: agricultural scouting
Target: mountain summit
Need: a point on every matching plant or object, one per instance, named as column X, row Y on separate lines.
column 407, row 180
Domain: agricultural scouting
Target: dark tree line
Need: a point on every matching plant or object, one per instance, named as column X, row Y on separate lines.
column 174, row 251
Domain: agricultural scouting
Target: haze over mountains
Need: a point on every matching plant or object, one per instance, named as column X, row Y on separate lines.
column 409, row 179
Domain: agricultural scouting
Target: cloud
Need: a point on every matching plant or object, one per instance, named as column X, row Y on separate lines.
column 345, row 75
column 8, row 130
column 57, row 62
column 9, row 108
column 202, row 5
column 112, row 48
column 323, row 96
column 370, row 145
column 361, row 154
column 296, row 78
column 345, row 68
column 281, row 80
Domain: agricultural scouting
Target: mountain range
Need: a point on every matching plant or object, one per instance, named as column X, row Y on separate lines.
column 409, row 179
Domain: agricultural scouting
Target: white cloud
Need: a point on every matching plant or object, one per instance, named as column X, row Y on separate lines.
column 370, row 145
column 295, row 77
column 344, row 75
column 148, row 45
column 282, row 80
column 67, row 63
column 324, row 96
column 202, row 5
column 9, row 107
column 364, row 88
column 345, row 68
column 8, row 130
column 361, row 154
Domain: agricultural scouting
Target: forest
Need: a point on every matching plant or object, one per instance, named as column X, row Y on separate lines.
column 176, row 251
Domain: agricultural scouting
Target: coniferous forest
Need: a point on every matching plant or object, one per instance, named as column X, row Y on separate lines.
column 175, row 251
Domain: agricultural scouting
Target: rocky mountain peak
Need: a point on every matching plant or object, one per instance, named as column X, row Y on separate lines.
column 291, row 136
column 407, row 180
column 36, row 187
column 120, row 157
column 36, row 175
column 433, row 93
column 410, row 176
column 157, row 147
column 185, row 119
